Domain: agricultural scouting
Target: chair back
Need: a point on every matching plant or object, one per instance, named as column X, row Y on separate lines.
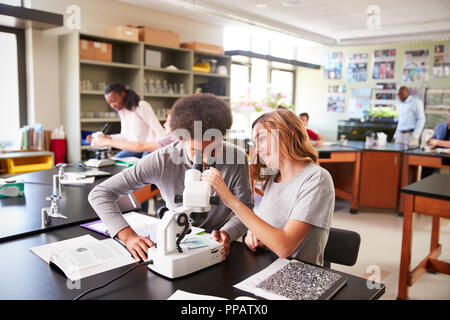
column 342, row 247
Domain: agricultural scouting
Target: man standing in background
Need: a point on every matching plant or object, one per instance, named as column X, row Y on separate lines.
column 411, row 118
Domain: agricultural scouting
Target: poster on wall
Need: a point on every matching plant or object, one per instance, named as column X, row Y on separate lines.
column 357, row 67
column 441, row 61
column 359, row 102
column 418, row 92
column 384, row 64
column 333, row 66
column 385, row 95
column 415, row 66
column 336, row 99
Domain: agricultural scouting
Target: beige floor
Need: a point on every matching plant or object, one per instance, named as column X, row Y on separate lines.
column 381, row 236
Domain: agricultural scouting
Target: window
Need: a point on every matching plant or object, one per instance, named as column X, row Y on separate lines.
column 282, row 81
column 241, row 79
column 254, row 79
column 12, row 83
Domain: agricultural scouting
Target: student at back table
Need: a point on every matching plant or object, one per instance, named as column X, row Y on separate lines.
column 137, row 120
column 315, row 138
column 441, row 136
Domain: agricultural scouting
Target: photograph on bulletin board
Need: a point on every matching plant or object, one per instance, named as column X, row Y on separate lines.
column 336, row 99
column 359, row 102
column 441, row 61
column 357, row 67
column 333, row 66
column 415, row 66
column 384, row 64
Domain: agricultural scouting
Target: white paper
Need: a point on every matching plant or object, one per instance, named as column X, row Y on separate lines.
column 443, row 150
column 132, row 160
column 78, row 261
column 84, row 256
column 76, row 179
column 184, row 295
column 327, row 143
column 250, row 283
column 45, row 251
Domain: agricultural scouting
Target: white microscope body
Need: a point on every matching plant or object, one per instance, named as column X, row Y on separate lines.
column 101, row 152
column 171, row 258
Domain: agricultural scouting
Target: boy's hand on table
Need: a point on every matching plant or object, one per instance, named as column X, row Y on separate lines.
column 137, row 245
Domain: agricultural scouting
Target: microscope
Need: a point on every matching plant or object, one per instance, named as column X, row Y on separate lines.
column 101, row 153
column 171, row 257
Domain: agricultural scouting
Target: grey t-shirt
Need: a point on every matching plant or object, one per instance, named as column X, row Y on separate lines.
column 308, row 197
column 159, row 168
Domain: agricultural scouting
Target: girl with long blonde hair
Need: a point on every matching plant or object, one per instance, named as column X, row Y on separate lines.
column 295, row 213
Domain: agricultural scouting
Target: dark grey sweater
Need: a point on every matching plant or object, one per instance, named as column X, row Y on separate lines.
column 165, row 168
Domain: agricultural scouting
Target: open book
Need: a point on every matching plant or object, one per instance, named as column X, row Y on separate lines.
column 84, row 256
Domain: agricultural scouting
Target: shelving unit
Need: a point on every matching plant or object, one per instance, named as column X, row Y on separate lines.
column 128, row 67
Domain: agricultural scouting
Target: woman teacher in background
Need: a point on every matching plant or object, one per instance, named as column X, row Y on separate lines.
column 137, row 119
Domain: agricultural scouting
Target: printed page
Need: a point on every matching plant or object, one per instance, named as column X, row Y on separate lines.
column 45, row 251
column 250, row 283
column 76, row 179
column 184, row 295
column 80, row 261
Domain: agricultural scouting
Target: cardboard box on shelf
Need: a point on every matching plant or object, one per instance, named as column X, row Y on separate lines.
column 203, row 47
column 159, row 37
column 102, row 51
column 123, row 32
column 86, row 49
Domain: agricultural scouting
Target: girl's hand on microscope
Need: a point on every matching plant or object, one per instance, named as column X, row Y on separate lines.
column 215, row 179
column 224, row 239
column 252, row 241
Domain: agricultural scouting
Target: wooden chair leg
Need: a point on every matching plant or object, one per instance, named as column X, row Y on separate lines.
column 405, row 259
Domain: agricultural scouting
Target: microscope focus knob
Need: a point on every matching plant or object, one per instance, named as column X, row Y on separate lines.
column 182, row 219
column 161, row 211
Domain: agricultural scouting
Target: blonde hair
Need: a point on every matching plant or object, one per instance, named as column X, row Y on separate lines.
column 294, row 142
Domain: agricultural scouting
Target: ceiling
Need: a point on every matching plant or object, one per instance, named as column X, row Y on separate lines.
column 330, row 22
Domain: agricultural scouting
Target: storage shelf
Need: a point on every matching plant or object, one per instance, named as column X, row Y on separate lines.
column 156, row 69
column 165, row 95
column 110, row 64
column 213, row 75
column 128, row 67
column 92, row 92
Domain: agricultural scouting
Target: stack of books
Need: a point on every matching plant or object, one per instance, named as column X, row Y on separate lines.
column 32, row 137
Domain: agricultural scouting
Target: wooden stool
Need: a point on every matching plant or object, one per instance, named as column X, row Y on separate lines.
column 429, row 196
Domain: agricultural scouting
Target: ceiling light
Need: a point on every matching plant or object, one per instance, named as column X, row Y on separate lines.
column 261, row 5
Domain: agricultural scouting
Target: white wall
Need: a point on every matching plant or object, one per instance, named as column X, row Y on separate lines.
column 42, row 51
